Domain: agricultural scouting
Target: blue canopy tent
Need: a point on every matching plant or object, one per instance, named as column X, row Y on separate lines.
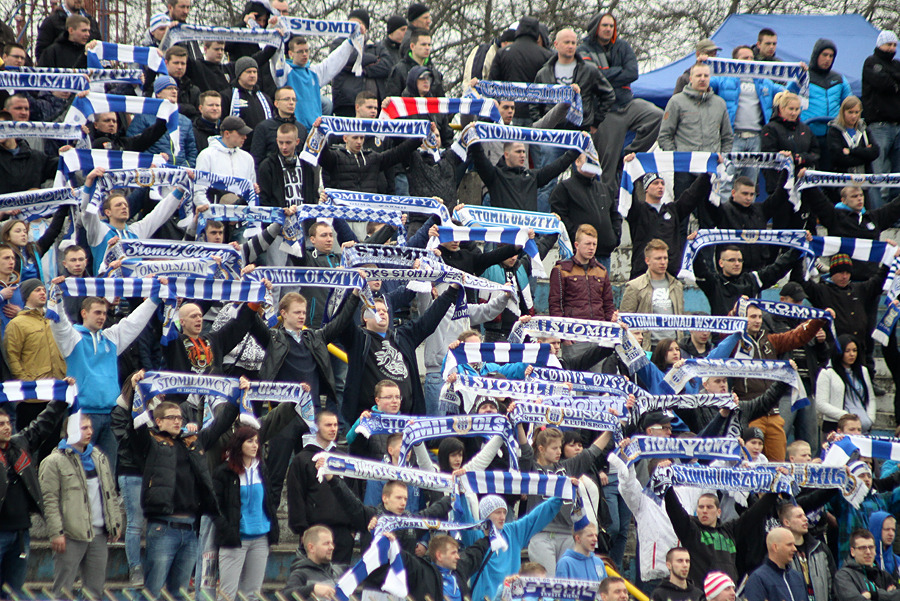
column 853, row 35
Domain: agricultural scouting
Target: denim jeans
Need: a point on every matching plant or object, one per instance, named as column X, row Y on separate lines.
column 887, row 136
column 742, row 145
column 433, row 383
column 207, row 576
column 620, row 517
column 103, row 438
column 171, row 555
column 13, row 559
column 130, row 488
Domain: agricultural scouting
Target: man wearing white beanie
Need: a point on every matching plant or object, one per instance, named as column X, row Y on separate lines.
column 881, row 106
column 501, row 563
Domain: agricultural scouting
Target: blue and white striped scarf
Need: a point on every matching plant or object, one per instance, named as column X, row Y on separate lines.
column 502, row 235
column 382, row 423
column 720, row 478
column 47, row 390
column 815, row 179
column 137, row 178
column 776, row 71
column 541, row 223
column 232, row 261
column 891, row 312
column 519, row 483
column 399, row 107
column 338, row 126
column 293, row 229
column 763, row 160
column 859, row 249
column 85, row 160
column 647, row 322
column 705, row 449
column 140, row 268
column 238, row 104
column 84, row 108
column 661, row 161
column 477, row 132
column 36, row 204
column 40, row 129
column 124, row 53
column 533, row 588
column 382, row 552
column 795, row 239
column 585, row 381
column 532, row 93
column 485, row 425
column 564, row 417
column 341, row 29
column 348, row 466
column 405, row 204
column 499, row 352
column 875, row 447
column 740, row 368
column 13, row 391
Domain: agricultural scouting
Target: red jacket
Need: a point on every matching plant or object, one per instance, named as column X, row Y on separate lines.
column 581, row 291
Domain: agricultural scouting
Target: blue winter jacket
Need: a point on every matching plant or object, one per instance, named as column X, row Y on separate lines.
column 578, row 566
column 729, row 88
column 188, row 155
column 827, row 90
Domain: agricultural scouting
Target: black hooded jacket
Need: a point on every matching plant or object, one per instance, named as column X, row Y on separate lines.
column 521, row 60
column 881, row 87
column 616, row 60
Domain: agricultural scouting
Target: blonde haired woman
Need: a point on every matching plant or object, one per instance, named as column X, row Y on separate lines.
column 849, row 145
column 785, row 133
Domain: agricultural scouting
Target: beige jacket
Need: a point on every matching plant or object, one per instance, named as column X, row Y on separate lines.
column 67, row 507
column 638, row 298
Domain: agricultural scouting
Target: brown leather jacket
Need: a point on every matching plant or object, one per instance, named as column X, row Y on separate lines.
column 581, row 291
column 772, row 346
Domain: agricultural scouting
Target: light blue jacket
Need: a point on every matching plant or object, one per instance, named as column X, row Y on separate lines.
column 578, row 566
column 501, row 564
column 729, row 88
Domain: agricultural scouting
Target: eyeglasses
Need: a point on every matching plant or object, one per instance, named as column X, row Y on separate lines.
column 865, row 548
column 667, row 428
column 176, row 418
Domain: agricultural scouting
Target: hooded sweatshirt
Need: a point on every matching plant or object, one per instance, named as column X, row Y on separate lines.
column 218, row 158
column 615, row 59
column 579, row 566
column 521, row 60
column 827, row 90
column 885, row 558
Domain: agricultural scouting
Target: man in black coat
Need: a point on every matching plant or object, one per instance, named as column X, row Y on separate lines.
column 20, row 491
column 521, row 61
column 67, row 52
column 377, row 353
column 311, row 503
column 283, row 178
column 55, row 25
column 510, row 183
column 245, row 99
column 264, row 133
column 583, row 199
column 444, row 569
column 314, row 574
column 177, row 489
column 725, row 285
column 22, row 168
column 881, row 102
column 418, row 52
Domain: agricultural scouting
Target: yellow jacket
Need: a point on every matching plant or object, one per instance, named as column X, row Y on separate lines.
column 30, row 349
